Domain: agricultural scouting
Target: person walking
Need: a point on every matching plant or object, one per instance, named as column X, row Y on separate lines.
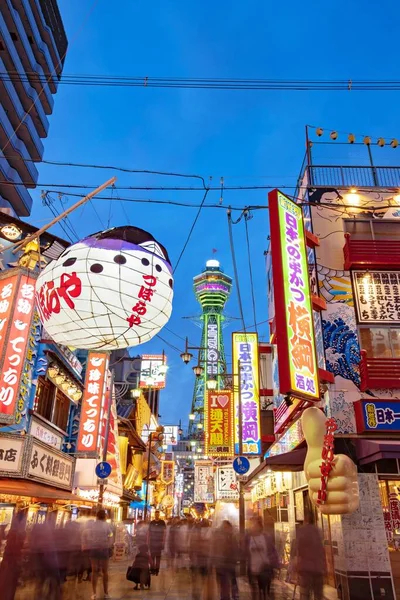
column 225, row 555
column 262, row 559
column 98, row 539
column 157, row 532
column 310, row 560
column 199, row 553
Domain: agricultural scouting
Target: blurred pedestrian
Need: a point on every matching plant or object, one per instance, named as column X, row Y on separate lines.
column 140, row 570
column 310, row 560
column 199, row 552
column 173, row 541
column 44, row 559
column 11, row 565
column 98, row 538
column 225, row 555
column 157, row 532
column 261, row 558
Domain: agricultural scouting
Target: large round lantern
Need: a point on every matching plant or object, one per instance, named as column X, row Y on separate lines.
column 111, row 290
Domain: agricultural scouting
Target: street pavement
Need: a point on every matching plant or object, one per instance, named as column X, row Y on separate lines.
column 168, row 585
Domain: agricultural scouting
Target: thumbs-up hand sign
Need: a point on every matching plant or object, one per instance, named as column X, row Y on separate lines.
column 332, row 484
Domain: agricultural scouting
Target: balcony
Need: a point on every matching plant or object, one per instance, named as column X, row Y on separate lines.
column 379, row 373
column 371, row 253
column 338, row 177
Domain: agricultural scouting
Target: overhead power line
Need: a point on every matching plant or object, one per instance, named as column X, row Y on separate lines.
column 210, row 83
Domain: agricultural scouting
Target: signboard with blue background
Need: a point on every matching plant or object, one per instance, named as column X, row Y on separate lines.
column 377, row 415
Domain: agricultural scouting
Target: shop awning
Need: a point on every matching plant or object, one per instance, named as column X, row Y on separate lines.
column 288, row 461
column 372, row 450
column 30, row 489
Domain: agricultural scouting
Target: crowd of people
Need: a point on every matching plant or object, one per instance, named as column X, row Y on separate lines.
column 195, row 545
column 47, row 555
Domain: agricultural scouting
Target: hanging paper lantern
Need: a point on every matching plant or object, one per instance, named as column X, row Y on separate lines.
column 367, row 140
column 111, row 290
column 351, row 138
column 334, row 135
column 319, row 131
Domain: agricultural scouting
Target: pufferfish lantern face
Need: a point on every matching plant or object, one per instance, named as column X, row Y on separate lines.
column 111, row 290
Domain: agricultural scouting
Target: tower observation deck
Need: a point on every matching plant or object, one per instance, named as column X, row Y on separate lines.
column 212, row 289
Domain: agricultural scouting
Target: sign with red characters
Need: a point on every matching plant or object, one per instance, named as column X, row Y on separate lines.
column 92, row 402
column 167, row 471
column 327, row 459
column 219, row 423
column 17, row 293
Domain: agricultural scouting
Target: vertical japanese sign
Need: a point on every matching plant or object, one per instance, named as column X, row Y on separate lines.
column 219, row 421
column 92, row 402
column 113, row 456
column 298, row 368
column 167, row 471
column 245, row 349
column 212, row 347
column 16, row 314
column 204, row 482
column 226, row 484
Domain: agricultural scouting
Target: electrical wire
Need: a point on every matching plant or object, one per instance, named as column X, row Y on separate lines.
column 235, row 269
column 253, row 300
column 190, row 231
column 209, row 83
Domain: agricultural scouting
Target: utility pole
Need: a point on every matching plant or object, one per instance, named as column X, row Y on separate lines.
column 241, row 490
column 106, row 436
column 19, row 245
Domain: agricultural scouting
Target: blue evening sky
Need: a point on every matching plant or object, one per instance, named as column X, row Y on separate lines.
column 246, row 137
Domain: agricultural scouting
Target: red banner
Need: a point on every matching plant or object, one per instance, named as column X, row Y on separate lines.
column 167, row 471
column 17, row 293
column 219, row 423
column 92, row 402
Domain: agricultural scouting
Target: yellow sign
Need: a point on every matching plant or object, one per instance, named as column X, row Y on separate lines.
column 143, row 414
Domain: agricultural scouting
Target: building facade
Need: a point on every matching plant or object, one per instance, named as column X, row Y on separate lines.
column 351, row 220
column 33, row 45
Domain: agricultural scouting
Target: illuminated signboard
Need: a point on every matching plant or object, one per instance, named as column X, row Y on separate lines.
column 204, row 482
column 219, row 420
column 227, row 487
column 92, row 402
column 377, row 415
column 298, row 368
column 212, row 346
column 17, row 293
column 150, row 368
column 245, row 349
column 292, row 438
column 167, row 471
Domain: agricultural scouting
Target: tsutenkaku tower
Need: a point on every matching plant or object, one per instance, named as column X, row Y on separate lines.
column 212, row 289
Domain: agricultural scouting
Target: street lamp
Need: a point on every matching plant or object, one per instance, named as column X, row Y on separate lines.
column 192, row 417
column 135, row 393
column 199, row 425
column 198, row 370
column 186, row 357
column 212, row 384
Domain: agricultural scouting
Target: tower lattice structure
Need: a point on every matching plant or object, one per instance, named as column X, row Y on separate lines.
column 212, row 289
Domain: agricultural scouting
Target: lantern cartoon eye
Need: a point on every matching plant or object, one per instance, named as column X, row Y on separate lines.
column 158, row 268
column 96, row 268
column 145, row 262
column 69, row 262
column 171, row 283
column 120, row 259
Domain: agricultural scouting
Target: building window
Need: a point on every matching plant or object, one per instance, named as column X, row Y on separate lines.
column 380, row 342
column 44, row 398
column 51, row 403
column 372, row 229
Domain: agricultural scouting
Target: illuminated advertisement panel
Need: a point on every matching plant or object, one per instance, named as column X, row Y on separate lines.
column 219, row 421
column 167, row 471
column 150, row 368
column 298, row 367
column 245, row 350
column 17, row 293
column 92, row 402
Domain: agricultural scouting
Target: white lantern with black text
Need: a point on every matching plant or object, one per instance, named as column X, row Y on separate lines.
column 111, row 290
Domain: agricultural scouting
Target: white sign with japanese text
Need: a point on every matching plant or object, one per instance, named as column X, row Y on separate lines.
column 50, row 466
column 11, row 453
column 45, row 434
column 204, row 482
column 377, row 296
column 227, row 487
